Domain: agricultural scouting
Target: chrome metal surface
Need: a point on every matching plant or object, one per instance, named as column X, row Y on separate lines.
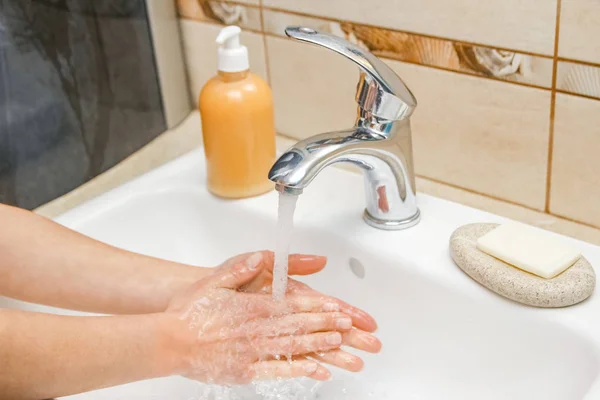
column 380, row 92
column 379, row 143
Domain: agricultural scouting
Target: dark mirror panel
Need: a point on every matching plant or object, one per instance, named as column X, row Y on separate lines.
column 79, row 92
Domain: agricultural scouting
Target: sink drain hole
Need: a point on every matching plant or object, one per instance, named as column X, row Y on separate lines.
column 356, row 267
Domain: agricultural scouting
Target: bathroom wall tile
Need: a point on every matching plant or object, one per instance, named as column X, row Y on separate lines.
column 313, row 88
column 514, row 24
column 201, row 53
column 579, row 30
column 418, row 49
column 251, row 2
column 575, row 186
column 509, row 210
column 169, row 59
column 481, row 135
column 246, row 17
column 186, row 137
column 499, row 207
column 276, row 22
column 578, row 78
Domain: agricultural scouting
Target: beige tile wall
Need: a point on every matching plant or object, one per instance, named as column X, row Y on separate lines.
column 575, row 189
column 483, row 135
column 514, row 24
column 508, row 91
column 580, row 30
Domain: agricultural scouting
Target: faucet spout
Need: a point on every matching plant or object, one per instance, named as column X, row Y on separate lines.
column 384, row 157
column 379, row 144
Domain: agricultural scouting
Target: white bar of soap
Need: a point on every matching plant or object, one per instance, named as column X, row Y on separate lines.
column 528, row 249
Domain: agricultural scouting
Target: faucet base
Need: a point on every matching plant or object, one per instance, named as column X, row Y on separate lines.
column 390, row 225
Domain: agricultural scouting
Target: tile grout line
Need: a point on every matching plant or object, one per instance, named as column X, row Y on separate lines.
column 439, row 68
column 475, row 192
column 555, row 59
column 480, row 194
column 585, row 96
column 509, row 202
column 264, row 39
column 265, row 33
column 219, row 23
column 580, row 62
column 239, row 3
column 552, row 109
column 465, row 73
column 424, row 35
column 447, row 39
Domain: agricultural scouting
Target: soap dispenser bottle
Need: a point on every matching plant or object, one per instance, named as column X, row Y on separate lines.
column 238, row 129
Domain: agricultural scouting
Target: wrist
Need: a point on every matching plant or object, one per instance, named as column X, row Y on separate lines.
column 182, row 277
column 172, row 344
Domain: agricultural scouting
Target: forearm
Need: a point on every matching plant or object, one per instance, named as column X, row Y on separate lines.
column 49, row 355
column 44, row 262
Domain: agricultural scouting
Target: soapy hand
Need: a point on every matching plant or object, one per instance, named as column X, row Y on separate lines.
column 227, row 336
column 358, row 337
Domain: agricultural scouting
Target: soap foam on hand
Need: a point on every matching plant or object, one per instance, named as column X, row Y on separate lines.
column 529, row 249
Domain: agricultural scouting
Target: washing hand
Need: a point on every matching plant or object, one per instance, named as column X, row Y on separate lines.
column 300, row 264
column 219, row 326
column 227, row 336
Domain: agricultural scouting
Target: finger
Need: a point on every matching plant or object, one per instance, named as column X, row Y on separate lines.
column 303, row 298
column 305, row 264
column 297, row 345
column 361, row 340
column 340, row 359
column 263, row 305
column 311, row 303
column 295, row 286
column 267, row 256
column 298, row 264
column 297, row 324
column 239, row 273
column 270, row 370
column 322, row 373
column 264, row 284
column 360, row 318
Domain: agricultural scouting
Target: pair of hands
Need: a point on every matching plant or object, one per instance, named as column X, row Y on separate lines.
column 228, row 330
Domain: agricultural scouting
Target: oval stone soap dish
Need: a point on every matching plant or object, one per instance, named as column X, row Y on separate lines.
column 570, row 287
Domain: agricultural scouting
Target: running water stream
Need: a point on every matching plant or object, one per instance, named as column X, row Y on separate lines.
column 285, row 224
column 280, row 389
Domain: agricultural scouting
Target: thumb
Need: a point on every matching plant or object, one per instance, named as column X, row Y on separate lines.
column 239, row 274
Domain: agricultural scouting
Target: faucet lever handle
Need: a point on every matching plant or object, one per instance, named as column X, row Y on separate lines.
column 380, row 90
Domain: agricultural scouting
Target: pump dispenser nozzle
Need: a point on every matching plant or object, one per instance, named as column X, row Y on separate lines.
column 233, row 57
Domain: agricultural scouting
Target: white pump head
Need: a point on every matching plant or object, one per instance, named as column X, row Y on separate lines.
column 233, row 57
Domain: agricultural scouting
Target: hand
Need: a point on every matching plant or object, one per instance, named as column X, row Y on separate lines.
column 302, row 264
column 226, row 336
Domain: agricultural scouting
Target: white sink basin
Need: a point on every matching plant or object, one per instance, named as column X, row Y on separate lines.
column 444, row 336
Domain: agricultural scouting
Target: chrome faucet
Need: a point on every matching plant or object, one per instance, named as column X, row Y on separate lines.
column 379, row 143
